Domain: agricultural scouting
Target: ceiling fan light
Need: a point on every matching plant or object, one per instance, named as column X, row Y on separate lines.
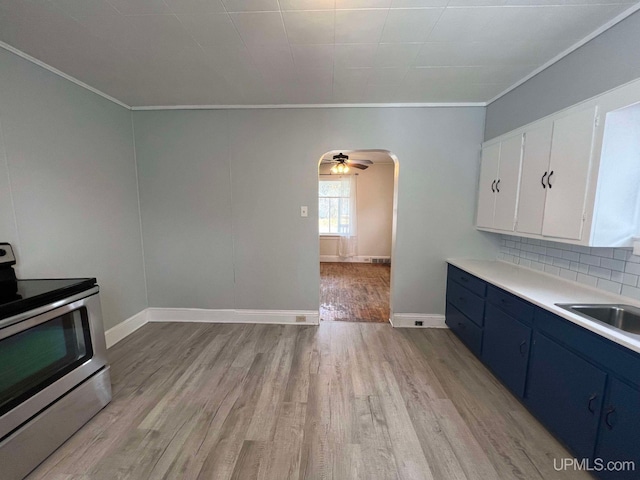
column 346, row 169
column 334, row 169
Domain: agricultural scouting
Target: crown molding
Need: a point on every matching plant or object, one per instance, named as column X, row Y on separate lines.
column 54, row 70
column 310, row 105
column 614, row 21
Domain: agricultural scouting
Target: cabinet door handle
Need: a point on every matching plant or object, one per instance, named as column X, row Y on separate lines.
column 464, row 279
column 493, row 184
column 461, row 299
column 497, row 183
column 462, row 325
column 607, row 417
column 523, row 350
column 542, row 180
column 549, row 179
column 590, row 402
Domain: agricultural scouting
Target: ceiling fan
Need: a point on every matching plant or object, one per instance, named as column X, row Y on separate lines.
column 342, row 163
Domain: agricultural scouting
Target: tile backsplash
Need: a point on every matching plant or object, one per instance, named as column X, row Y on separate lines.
column 615, row 270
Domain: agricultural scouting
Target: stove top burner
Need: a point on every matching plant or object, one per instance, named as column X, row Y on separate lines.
column 18, row 296
column 32, row 294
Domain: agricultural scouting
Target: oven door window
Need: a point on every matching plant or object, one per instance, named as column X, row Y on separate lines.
column 33, row 359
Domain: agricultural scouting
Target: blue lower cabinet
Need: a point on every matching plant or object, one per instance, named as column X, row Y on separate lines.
column 566, row 393
column 619, row 438
column 505, row 350
column 578, row 384
column 464, row 328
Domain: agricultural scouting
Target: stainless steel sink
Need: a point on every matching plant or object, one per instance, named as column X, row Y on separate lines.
column 622, row 317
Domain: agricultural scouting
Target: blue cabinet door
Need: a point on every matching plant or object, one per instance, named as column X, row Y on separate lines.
column 506, row 348
column 619, row 438
column 565, row 392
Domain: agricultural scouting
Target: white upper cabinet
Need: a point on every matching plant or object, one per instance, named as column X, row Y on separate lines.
column 487, row 185
column 498, row 187
column 572, row 177
column 571, row 149
column 504, row 216
column 533, row 185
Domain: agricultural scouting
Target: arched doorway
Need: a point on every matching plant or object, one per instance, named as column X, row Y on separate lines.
column 357, row 275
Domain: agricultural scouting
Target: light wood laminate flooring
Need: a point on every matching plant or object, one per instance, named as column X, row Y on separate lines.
column 338, row 401
column 354, row 292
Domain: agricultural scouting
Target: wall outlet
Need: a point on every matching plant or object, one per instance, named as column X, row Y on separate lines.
column 418, row 323
column 301, row 318
column 636, row 245
column 304, row 211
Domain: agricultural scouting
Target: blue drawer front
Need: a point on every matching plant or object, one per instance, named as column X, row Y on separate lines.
column 464, row 328
column 477, row 286
column 467, row 302
column 616, row 358
column 511, row 304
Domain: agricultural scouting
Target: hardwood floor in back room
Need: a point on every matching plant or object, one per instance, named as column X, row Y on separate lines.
column 339, row 401
column 354, row 292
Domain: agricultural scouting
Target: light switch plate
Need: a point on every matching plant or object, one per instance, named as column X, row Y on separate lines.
column 636, row 247
column 304, row 211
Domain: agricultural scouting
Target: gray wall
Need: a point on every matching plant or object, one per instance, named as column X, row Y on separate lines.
column 185, row 195
column 221, row 193
column 609, row 60
column 68, row 193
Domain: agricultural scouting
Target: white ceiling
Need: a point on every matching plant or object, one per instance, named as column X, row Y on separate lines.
column 251, row 52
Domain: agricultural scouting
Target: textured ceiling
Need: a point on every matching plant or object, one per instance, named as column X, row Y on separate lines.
column 228, row 52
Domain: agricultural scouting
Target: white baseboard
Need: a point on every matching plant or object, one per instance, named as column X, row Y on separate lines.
column 408, row 320
column 202, row 315
column 126, row 328
column 275, row 317
column 356, row 259
column 195, row 315
column 278, row 316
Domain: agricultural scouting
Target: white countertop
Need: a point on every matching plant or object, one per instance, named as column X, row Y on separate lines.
column 546, row 290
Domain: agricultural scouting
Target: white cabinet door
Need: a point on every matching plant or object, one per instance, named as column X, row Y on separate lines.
column 507, row 184
column 486, row 189
column 571, row 149
column 533, row 186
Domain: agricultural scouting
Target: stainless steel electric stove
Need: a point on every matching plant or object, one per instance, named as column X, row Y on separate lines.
column 54, row 374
